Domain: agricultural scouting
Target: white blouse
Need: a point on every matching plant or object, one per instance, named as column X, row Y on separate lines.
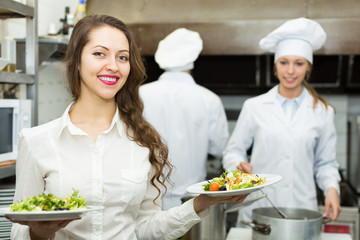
column 113, row 172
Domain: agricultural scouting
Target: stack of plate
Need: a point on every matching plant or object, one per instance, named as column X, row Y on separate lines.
column 6, row 198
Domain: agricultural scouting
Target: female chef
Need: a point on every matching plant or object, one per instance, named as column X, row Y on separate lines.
column 290, row 128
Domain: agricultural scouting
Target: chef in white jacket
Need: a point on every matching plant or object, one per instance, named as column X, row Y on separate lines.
column 190, row 118
column 290, row 128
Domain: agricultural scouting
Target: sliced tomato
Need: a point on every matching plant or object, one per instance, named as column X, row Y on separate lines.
column 214, row 186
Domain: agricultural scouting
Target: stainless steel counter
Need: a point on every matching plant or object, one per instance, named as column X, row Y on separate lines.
column 246, row 234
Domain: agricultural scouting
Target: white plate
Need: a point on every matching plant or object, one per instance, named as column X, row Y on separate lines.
column 47, row 215
column 197, row 187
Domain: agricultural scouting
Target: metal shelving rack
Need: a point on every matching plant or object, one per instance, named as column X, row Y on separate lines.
column 13, row 9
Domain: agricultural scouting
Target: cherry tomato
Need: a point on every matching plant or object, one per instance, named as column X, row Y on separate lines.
column 214, row 186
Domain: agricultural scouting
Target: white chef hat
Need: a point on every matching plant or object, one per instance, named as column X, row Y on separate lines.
column 297, row 37
column 179, row 50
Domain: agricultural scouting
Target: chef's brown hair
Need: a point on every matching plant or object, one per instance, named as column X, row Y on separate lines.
column 128, row 100
column 313, row 92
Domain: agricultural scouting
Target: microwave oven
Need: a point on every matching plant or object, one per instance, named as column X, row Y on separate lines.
column 15, row 114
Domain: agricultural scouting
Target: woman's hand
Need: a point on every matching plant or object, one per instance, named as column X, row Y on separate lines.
column 245, row 167
column 204, row 201
column 41, row 230
column 332, row 202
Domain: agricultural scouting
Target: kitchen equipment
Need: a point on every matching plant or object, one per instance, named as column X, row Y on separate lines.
column 301, row 224
column 213, row 227
column 15, row 114
column 283, row 215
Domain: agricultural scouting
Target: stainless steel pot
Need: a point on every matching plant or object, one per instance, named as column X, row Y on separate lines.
column 301, row 224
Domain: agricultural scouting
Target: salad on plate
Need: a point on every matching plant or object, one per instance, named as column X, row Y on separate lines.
column 233, row 180
column 49, row 202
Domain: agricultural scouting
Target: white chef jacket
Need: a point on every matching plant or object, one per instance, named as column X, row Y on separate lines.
column 192, row 121
column 113, row 172
column 298, row 149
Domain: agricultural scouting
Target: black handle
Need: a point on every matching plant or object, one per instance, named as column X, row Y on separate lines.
column 326, row 220
column 262, row 228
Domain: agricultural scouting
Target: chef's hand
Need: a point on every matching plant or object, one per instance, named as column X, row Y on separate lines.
column 204, row 201
column 332, row 202
column 245, row 167
column 43, row 230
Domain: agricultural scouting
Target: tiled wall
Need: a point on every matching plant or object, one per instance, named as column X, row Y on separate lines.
column 340, row 103
column 53, row 94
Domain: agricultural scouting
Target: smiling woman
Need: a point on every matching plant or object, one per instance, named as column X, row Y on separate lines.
column 290, row 128
column 103, row 147
column 291, row 72
column 104, row 66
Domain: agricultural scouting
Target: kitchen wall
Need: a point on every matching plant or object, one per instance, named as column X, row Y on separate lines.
column 135, row 11
column 234, row 26
column 54, row 96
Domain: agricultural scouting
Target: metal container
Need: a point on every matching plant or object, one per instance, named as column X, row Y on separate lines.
column 301, row 224
column 212, row 227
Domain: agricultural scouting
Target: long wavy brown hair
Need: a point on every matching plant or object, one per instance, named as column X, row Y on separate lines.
column 128, row 100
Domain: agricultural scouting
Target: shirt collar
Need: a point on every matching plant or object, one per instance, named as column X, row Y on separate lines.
column 117, row 121
column 65, row 122
column 177, row 76
column 283, row 100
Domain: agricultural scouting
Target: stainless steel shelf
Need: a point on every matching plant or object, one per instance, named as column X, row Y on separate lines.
column 51, row 48
column 12, row 9
column 16, row 78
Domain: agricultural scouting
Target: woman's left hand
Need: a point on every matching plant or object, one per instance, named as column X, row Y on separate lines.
column 332, row 202
column 44, row 229
column 204, row 201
